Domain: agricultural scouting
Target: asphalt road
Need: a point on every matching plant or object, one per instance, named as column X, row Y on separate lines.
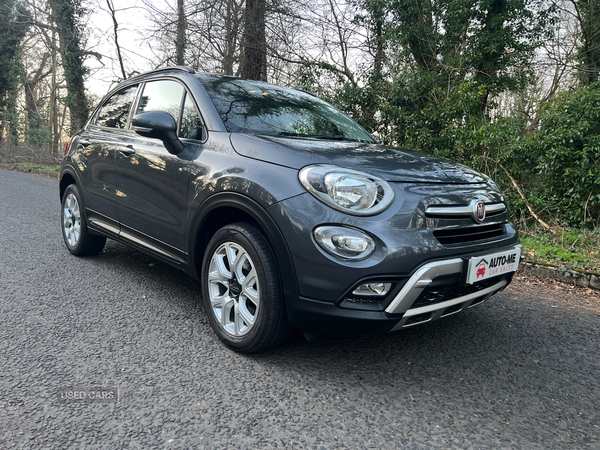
column 516, row 372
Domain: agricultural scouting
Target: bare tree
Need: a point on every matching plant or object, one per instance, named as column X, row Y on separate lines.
column 111, row 8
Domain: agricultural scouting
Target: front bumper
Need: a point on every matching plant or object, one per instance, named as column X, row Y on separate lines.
column 435, row 290
column 427, row 271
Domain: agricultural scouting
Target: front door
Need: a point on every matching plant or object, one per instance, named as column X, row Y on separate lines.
column 152, row 184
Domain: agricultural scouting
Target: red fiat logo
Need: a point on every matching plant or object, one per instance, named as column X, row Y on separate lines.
column 479, row 211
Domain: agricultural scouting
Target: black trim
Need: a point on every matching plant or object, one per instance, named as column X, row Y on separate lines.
column 153, row 246
column 68, row 168
column 264, row 220
column 325, row 317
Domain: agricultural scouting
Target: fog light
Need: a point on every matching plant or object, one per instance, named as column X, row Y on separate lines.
column 372, row 289
column 347, row 243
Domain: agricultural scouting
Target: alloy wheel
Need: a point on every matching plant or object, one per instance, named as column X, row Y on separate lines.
column 71, row 220
column 233, row 289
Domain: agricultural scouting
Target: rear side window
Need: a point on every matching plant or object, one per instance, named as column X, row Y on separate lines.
column 162, row 95
column 115, row 112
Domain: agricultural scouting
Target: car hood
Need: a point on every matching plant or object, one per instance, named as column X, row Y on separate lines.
column 388, row 163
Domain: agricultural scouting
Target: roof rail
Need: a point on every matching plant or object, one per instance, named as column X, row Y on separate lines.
column 163, row 69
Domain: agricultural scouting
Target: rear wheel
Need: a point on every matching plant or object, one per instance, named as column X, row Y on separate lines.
column 241, row 290
column 74, row 229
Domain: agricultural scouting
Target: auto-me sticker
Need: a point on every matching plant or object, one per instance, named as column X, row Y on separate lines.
column 488, row 266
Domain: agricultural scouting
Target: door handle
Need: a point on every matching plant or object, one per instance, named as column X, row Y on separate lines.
column 84, row 142
column 128, row 150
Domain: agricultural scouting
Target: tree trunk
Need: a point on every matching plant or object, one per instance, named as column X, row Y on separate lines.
column 422, row 37
column 254, row 56
column 232, row 29
column 588, row 15
column 33, row 104
column 65, row 14
column 488, row 68
column 379, row 48
column 181, row 27
column 14, row 22
column 53, row 113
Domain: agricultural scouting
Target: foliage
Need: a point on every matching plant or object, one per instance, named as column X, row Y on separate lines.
column 457, row 58
column 566, row 148
column 39, row 135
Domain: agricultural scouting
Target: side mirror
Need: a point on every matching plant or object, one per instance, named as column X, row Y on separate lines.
column 159, row 125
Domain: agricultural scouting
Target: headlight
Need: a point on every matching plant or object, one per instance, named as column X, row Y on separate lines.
column 347, row 190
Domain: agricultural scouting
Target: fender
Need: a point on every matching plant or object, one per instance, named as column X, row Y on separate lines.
column 68, row 168
column 249, row 207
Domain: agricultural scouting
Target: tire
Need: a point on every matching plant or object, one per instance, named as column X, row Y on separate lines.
column 74, row 228
column 245, row 306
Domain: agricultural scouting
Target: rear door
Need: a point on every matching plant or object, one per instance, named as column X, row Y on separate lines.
column 152, row 183
column 99, row 143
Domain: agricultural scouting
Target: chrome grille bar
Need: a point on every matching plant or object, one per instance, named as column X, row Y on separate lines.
column 435, row 211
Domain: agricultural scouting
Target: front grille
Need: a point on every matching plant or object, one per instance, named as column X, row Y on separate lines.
column 438, row 294
column 469, row 235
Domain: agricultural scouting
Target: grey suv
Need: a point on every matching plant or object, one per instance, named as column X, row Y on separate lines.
column 286, row 210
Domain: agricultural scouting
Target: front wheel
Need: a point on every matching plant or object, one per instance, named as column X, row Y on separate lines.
column 241, row 290
column 74, row 229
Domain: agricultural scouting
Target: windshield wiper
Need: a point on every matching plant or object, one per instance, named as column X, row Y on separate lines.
column 318, row 136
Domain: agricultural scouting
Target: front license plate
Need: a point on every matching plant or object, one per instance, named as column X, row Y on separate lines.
column 488, row 266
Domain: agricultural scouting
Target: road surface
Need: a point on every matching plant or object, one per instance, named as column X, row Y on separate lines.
column 520, row 371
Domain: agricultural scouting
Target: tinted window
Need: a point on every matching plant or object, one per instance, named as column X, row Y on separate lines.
column 253, row 107
column 191, row 127
column 115, row 112
column 163, row 95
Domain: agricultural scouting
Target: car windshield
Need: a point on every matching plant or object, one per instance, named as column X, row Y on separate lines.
column 247, row 106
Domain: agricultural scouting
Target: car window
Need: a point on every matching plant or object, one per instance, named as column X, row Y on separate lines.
column 162, row 95
column 115, row 111
column 247, row 106
column 191, row 126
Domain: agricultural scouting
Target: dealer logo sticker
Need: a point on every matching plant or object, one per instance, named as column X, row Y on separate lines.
column 481, row 267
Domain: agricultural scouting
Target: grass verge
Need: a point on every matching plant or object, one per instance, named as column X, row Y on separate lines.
column 53, row 168
column 567, row 249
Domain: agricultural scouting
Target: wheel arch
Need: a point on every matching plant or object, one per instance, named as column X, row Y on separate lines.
column 67, row 177
column 225, row 208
